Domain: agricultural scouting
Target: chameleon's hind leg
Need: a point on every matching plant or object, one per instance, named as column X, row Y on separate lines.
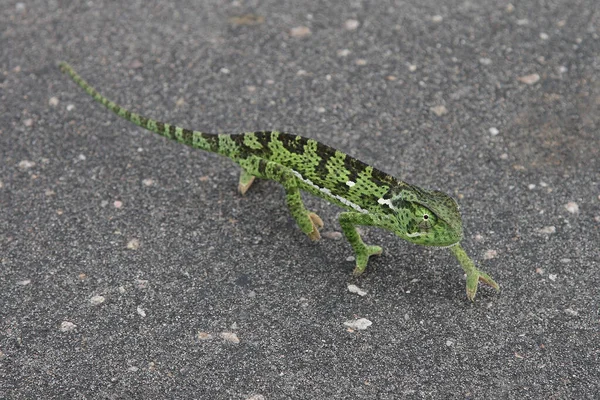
column 245, row 182
column 309, row 222
column 474, row 275
column 349, row 221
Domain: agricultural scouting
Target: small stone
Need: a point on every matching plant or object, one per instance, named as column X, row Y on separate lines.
column 343, row 53
column 361, row 61
column 224, row 70
column 321, row 110
column 571, row 312
column 478, row 237
column 67, row 326
column 28, row 122
column 531, row 186
column 565, row 260
column 300, row 31
column 141, row 283
column 572, row 207
column 360, row 324
column 510, row 8
column 544, row 36
column 141, row 312
column 529, row 79
column 95, row 300
column 412, row 67
column 133, row 369
column 234, row 326
column 179, row 103
column 522, row 22
column 230, row 337
column 494, row 131
column 543, row 184
column 133, row 244
column 82, row 276
column 357, row 290
column 20, row 7
column 351, row 24
column 548, row 230
column 333, row 235
column 449, row 342
column 24, row 282
column 439, row 110
column 539, row 271
column 203, row 336
column 136, row 64
column 391, row 78
column 103, row 203
column 562, row 69
column 122, row 289
column 1, row 184
column 26, row 164
column 552, row 277
column 70, row 107
column 148, row 182
column 251, row 89
column 437, row 18
column 489, row 254
column 485, row 61
column 53, row 101
column 81, row 157
column 350, row 258
column 118, row 204
column 504, row 156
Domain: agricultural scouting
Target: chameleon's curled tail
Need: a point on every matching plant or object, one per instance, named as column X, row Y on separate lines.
column 204, row 141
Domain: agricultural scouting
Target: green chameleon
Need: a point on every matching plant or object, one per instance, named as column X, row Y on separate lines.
column 371, row 197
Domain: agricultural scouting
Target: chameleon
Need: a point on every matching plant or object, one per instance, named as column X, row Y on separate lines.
column 369, row 196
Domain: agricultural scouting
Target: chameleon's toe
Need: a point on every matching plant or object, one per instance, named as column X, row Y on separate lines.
column 363, row 258
column 317, row 223
column 245, row 182
column 473, row 278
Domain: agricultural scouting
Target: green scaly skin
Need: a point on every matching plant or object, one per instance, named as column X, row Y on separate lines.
column 372, row 197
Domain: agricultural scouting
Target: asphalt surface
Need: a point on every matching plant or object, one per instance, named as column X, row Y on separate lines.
column 131, row 269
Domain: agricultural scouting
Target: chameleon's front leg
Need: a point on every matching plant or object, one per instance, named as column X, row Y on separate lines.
column 474, row 275
column 349, row 221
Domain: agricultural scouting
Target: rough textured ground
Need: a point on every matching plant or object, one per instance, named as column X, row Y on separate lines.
column 129, row 262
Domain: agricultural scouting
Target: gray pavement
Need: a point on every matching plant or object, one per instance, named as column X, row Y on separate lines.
column 131, row 269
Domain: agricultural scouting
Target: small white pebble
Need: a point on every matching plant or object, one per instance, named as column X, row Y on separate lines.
column 148, row 182
column 70, row 107
column 572, row 207
column 543, row 184
column 256, row 397
column 251, row 89
column 321, row 110
column 489, row 254
column 133, row 369
column 412, row 67
column 121, row 289
column 141, row 283
column 523, row 21
column 351, row 24
column 334, row 235
column 26, row 164
column 103, row 203
column 531, row 186
column 53, row 101
column 539, row 271
column 28, row 122
column 449, row 342
column 24, row 282
column 360, row 324
column 548, row 230
column 118, row 204
column 95, row 300
column 510, row 8
column 562, row 69
column 67, row 326
column 478, row 237
column 529, row 79
column 20, row 7
column 224, row 70
column 361, row 61
column 565, row 260
column 439, row 110
column 81, row 157
column 343, row 52
column 133, row 244
column 544, row 36
column 494, row 131
column 552, row 277
column 230, row 337
column 485, row 61
column 300, row 31
column 141, row 311
column 350, row 258
column 504, row 156
column 179, row 103
column 437, row 18
column 571, row 312
column 357, row 290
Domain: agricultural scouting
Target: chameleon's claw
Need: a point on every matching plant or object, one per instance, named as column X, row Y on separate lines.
column 317, row 223
column 245, row 182
column 474, row 275
column 363, row 258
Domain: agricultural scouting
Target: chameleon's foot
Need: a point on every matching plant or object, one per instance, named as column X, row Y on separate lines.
column 474, row 275
column 362, row 258
column 245, row 182
column 317, row 223
column 473, row 278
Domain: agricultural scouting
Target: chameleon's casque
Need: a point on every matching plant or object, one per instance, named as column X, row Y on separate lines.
column 372, row 197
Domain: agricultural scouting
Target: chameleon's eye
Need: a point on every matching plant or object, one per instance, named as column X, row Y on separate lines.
column 425, row 217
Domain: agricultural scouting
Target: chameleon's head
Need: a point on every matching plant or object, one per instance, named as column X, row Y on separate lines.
column 427, row 217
